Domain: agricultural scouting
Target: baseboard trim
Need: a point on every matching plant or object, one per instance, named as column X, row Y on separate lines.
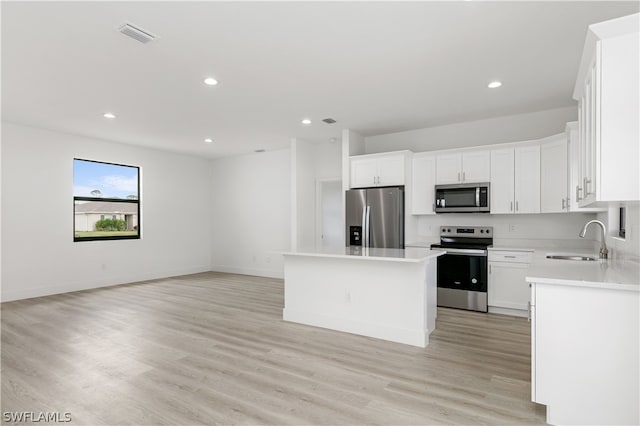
column 260, row 272
column 49, row 290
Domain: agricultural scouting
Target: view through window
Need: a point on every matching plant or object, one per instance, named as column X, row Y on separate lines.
column 106, row 200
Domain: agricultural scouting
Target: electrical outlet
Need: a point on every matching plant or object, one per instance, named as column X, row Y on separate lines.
column 513, row 228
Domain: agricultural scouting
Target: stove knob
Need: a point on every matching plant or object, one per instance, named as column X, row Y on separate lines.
column 482, row 231
column 448, row 230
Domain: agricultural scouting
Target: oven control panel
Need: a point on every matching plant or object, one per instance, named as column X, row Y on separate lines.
column 467, row 231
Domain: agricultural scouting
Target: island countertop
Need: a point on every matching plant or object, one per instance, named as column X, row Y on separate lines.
column 409, row 254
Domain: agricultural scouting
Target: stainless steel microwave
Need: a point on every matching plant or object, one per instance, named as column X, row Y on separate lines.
column 462, row 198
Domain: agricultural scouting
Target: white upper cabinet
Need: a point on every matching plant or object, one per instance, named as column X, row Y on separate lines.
column 527, row 179
column 378, row 170
column 449, row 168
column 515, row 180
column 476, row 166
column 465, row 166
column 608, row 113
column 571, row 131
column 554, row 174
column 502, row 181
column 423, row 181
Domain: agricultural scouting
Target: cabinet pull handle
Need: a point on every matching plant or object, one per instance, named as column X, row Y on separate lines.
column 489, row 269
column 563, row 204
column 511, row 206
column 586, row 182
column 463, row 178
column 458, row 176
column 578, row 189
column 510, row 257
column 529, row 311
column 433, row 207
column 516, row 206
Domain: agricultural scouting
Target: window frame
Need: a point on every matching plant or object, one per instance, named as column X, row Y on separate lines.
column 137, row 201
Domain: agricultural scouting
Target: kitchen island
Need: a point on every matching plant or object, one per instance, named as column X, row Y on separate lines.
column 388, row 294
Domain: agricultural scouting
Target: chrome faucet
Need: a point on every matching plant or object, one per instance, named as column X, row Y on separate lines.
column 604, row 253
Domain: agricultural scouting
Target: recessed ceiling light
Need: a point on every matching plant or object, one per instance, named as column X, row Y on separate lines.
column 208, row 140
column 210, row 81
column 494, row 84
column 306, row 121
column 108, row 115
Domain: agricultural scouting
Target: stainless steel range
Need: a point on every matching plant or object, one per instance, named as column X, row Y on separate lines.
column 462, row 272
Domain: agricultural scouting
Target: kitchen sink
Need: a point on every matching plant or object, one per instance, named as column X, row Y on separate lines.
column 570, row 257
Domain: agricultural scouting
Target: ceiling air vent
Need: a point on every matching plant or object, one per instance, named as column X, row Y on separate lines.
column 137, row 33
column 329, row 120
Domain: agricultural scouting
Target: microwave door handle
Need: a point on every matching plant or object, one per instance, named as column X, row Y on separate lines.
column 477, row 196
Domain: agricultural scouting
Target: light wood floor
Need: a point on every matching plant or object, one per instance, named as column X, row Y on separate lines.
column 212, row 349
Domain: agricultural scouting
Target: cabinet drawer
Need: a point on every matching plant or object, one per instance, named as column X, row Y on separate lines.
column 510, row 256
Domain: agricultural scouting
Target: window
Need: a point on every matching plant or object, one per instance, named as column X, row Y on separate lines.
column 622, row 222
column 106, row 201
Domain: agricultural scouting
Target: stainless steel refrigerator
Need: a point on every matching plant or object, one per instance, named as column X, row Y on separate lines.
column 375, row 217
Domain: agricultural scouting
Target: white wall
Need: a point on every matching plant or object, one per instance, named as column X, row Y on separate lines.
column 303, row 194
column 630, row 245
column 530, row 230
column 310, row 163
column 251, row 210
column 39, row 256
column 512, row 128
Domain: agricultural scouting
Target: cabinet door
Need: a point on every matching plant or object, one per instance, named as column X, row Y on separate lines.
column 391, row 170
column 507, row 287
column 364, row 172
column 502, row 175
column 423, row 180
column 476, row 166
column 449, row 168
column 589, row 114
column 553, row 176
column 527, row 179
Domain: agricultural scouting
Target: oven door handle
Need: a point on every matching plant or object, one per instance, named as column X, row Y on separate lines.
column 463, row 252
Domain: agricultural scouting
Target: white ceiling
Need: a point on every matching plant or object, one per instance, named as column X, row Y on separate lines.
column 375, row 67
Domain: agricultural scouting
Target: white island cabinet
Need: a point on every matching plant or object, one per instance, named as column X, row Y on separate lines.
column 388, row 294
column 585, row 341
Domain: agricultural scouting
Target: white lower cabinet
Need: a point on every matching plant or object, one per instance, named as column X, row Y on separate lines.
column 508, row 292
column 584, row 354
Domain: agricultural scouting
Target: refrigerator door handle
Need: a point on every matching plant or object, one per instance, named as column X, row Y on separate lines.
column 364, row 227
column 367, row 212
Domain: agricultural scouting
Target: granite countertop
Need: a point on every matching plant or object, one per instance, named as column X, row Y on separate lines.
column 410, row 254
